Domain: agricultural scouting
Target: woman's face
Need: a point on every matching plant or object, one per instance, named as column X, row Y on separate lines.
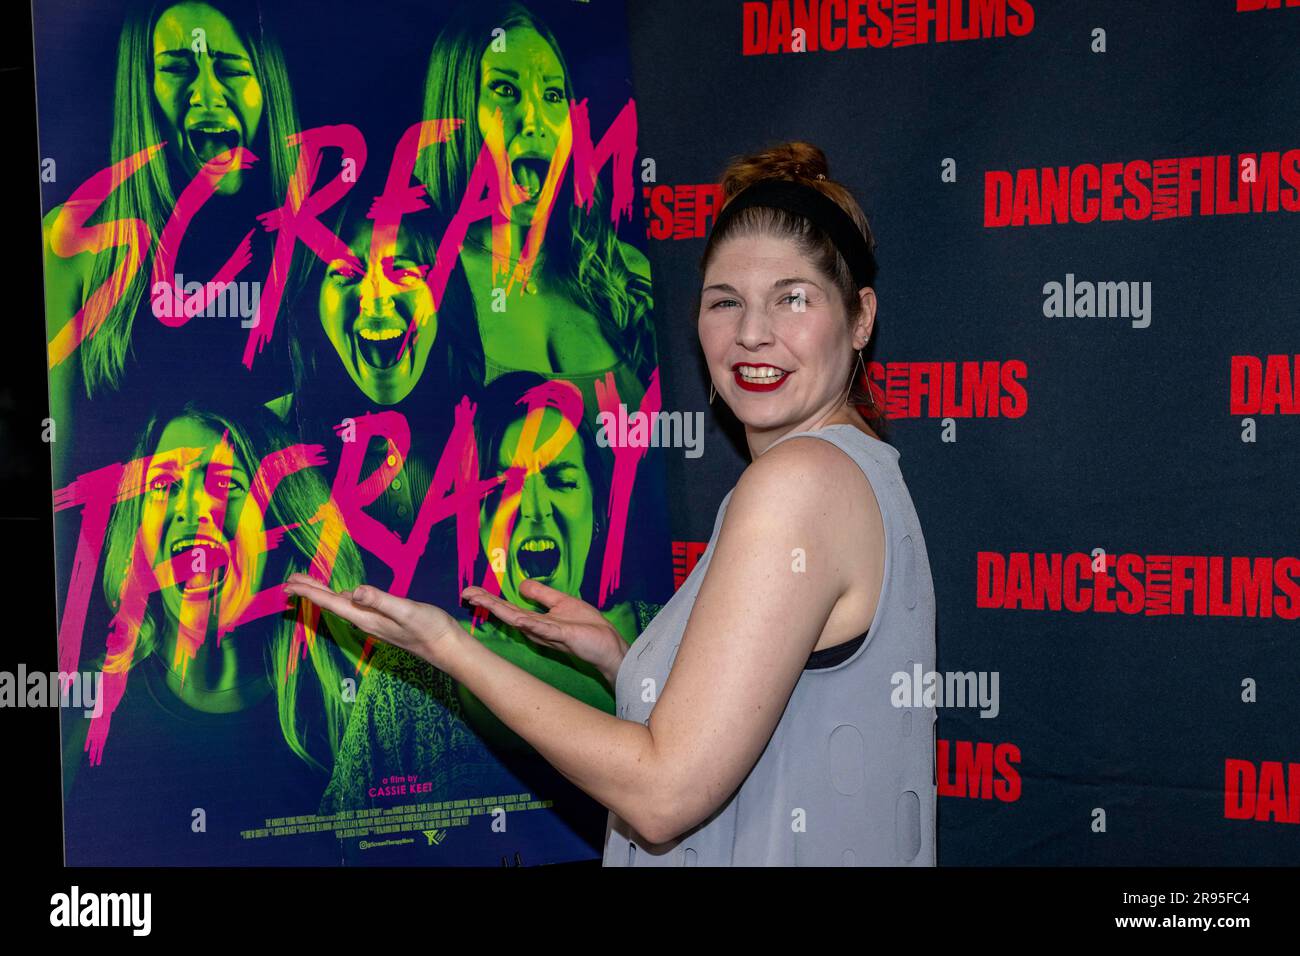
column 553, row 530
column 195, row 489
column 766, row 308
column 526, row 83
column 367, row 315
column 205, row 88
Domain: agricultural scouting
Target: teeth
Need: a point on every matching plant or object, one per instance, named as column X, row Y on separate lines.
column 380, row 335
column 765, row 374
column 188, row 543
column 538, row 545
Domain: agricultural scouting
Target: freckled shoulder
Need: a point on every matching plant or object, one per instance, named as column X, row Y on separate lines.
column 810, row 493
column 807, row 478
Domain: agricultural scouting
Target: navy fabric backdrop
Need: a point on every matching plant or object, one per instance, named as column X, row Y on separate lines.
column 1122, row 737
column 1116, row 731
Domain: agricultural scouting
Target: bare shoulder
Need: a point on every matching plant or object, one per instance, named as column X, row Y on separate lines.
column 817, row 498
column 807, row 480
column 58, row 224
column 51, row 217
column 57, row 231
column 811, row 461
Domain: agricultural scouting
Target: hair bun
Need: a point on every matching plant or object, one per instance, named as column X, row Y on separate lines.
column 795, row 160
column 802, row 170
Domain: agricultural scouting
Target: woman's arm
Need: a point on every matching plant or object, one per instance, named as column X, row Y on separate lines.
column 608, row 758
column 65, row 283
column 65, row 276
column 758, row 615
column 770, row 588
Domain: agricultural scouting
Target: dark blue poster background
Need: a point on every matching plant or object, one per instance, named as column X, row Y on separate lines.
column 315, row 418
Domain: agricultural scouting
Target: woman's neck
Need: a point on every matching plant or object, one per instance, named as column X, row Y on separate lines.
column 478, row 245
column 219, row 680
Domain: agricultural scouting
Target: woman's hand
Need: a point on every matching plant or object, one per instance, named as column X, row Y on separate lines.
column 569, row 624
column 413, row 626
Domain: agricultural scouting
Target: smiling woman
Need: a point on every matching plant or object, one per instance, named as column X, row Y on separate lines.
column 823, row 768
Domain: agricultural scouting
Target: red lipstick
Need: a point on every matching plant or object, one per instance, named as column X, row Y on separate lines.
column 766, row 386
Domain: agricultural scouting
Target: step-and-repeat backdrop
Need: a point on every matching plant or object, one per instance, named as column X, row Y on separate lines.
column 1087, row 345
column 361, row 292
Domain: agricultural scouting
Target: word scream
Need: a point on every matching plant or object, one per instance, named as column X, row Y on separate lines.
column 297, row 220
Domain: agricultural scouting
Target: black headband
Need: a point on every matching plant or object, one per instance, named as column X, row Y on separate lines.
column 816, row 207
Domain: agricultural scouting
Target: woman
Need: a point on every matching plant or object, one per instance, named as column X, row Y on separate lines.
column 203, row 709
column 556, row 539
column 584, row 313
column 736, row 740
column 372, row 321
column 367, row 337
column 202, row 99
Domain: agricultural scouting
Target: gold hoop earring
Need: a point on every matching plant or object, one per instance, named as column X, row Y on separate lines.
column 712, row 391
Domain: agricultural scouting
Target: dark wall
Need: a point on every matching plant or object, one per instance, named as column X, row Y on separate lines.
column 1110, row 436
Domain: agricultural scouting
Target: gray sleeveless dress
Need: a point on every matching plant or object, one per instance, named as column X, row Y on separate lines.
column 847, row 778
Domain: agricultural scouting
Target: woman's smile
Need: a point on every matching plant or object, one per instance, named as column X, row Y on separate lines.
column 759, row 378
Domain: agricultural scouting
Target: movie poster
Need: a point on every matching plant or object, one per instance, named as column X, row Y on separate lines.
column 351, row 291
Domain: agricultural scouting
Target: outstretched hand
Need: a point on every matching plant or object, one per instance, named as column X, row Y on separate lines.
column 410, row 625
column 569, row 624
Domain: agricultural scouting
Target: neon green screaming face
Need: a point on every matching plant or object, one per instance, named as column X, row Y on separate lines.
column 552, row 534
column 195, row 490
column 206, row 89
column 367, row 317
column 525, row 82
